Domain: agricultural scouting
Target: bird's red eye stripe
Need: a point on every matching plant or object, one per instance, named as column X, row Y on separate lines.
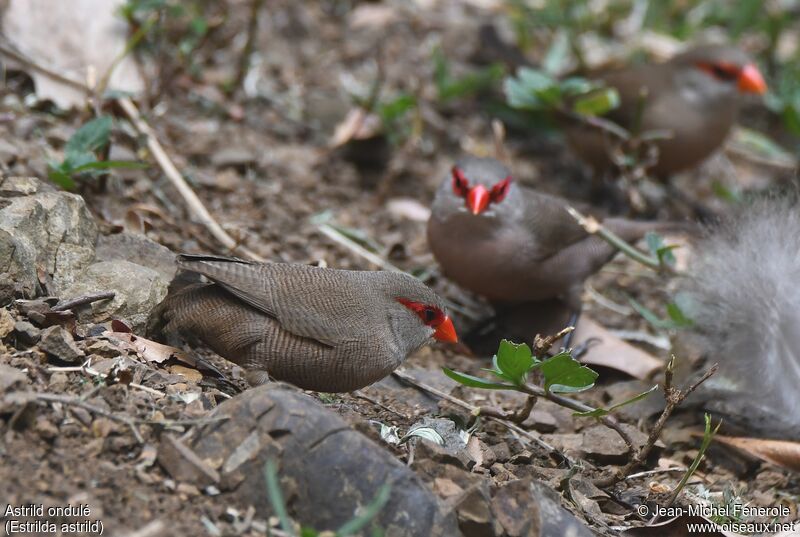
column 430, row 315
column 499, row 190
column 721, row 70
column 460, row 183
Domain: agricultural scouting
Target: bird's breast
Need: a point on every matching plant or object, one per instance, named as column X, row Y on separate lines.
column 493, row 263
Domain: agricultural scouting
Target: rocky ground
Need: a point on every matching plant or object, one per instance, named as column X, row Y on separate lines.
column 156, row 443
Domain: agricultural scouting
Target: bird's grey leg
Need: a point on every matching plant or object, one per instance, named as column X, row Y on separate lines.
column 573, row 321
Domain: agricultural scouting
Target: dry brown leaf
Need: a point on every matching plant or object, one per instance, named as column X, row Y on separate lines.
column 612, row 352
column 375, row 17
column 70, row 38
column 783, row 453
column 408, row 208
column 149, row 350
column 357, row 125
column 192, row 375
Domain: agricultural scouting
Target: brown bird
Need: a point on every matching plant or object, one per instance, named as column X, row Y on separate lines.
column 320, row 329
column 513, row 244
column 695, row 97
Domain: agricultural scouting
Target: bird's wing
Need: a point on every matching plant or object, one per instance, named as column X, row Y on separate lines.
column 329, row 306
column 550, row 223
column 629, row 83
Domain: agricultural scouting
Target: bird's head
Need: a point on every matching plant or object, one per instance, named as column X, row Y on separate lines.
column 480, row 183
column 433, row 316
column 722, row 69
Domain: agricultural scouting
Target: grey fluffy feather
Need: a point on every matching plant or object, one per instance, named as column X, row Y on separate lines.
column 744, row 298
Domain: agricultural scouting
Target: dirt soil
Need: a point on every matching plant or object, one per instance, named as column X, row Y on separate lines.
column 265, row 168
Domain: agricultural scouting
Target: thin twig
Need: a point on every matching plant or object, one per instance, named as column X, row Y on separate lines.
column 51, row 73
column 478, row 411
column 340, row 238
column 132, row 42
column 83, row 300
column 577, row 406
column 247, row 51
column 73, row 401
column 656, row 472
column 674, row 397
column 196, row 206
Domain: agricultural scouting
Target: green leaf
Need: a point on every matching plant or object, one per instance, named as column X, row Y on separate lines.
column 75, row 160
column 761, row 146
column 275, row 496
column 577, row 86
column 91, row 137
column 369, row 512
column 726, row 194
column 677, row 318
column 563, row 374
column 531, row 89
column 655, row 244
column 61, row 179
column 555, row 60
column 395, row 109
column 108, row 164
column 600, row 412
column 475, row 382
column 597, row 103
column 514, row 361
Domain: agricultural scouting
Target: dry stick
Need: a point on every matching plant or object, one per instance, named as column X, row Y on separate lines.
column 341, row 239
column 196, row 206
column 674, row 397
column 121, row 418
column 244, row 59
column 492, row 414
column 21, row 58
column 83, row 300
column 577, row 406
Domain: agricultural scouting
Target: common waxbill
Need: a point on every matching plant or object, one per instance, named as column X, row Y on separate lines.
column 318, row 328
column 694, row 97
column 513, row 244
column 741, row 292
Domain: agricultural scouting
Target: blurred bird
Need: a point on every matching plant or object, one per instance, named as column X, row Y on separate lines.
column 742, row 295
column 320, row 329
column 694, row 97
column 513, row 244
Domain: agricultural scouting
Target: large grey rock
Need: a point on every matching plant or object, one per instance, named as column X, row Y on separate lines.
column 137, row 249
column 138, row 289
column 41, row 228
column 327, row 470
column 528, row 508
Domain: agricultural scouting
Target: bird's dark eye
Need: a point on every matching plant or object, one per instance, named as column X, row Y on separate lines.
column 499, row 190
column 428, row 315
column 460, row 183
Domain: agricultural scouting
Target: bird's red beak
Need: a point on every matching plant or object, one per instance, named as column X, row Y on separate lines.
column 446, row 331
column 478, row 199
column 751, row 81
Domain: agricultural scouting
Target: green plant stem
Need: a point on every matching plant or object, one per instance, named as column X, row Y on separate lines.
column 708, row 435
column 275, row 496
column 137, row 36
column 594, row 227
column 608, row 421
